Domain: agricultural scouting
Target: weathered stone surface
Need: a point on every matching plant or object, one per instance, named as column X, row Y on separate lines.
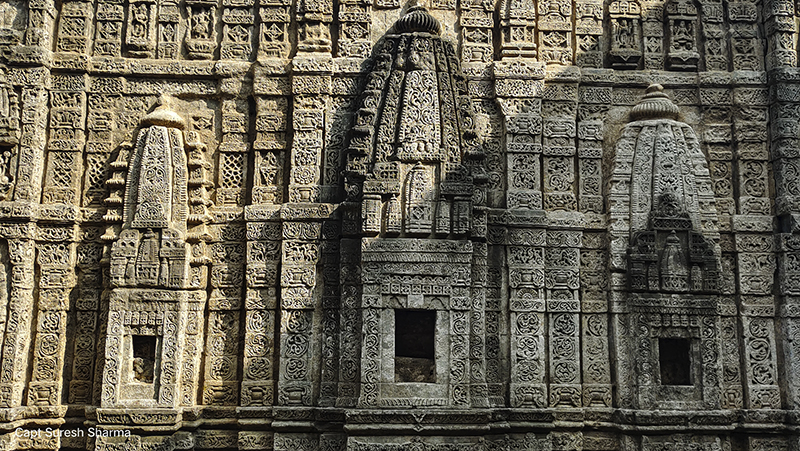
column 372, row 225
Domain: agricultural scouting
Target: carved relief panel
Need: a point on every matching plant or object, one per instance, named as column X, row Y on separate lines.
column 554, row 26
column 683, row 28
column 201, row 36
column 626, row 34
column 141, row 28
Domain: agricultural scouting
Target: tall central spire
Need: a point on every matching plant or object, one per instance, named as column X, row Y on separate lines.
column 414, row 123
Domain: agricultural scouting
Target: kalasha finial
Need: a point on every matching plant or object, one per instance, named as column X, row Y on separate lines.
column 654, row 105
column 418, row 19
column 163, row 115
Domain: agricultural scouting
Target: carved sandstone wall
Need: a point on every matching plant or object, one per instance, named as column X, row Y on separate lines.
column 371, row 225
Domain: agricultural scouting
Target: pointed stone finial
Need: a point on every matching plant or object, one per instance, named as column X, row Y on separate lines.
column 654, row 105
column 163, row 115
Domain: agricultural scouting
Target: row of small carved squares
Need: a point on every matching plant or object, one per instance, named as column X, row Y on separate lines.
column 142, row 31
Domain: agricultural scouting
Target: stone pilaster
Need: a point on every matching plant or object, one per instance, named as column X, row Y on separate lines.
column 331, row 306
column 238, row 23
column 595, row 327
column 780, row 25
column 589, row 33
column 653, row 34
column 477, row 31
column 30, row 162
column 355, row 26
column 349, row 321
column 714, row 36
column 67, row 141
column 83, row 349
column 273, row 34
column 56, row 263
column 760, row 352
column 108, row 29
column 260, row 306
column 221, row 369
column 298, row 383
column 746, row 42
column 562, row 285
column 497, row 335
column 17, row 340
column 525, row 260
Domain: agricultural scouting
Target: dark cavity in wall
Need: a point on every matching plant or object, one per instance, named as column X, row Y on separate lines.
column 144, row 358
column 414, row 359
column 675, row 361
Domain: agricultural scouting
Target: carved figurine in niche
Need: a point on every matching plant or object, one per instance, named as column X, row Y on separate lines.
column 682, row 27
column 314, row 37
column 141, row 25
column 626, row 30
column 624, row 34
column 147, row 266
column 419, row 200
column 683, row 37
column 144, row 358
column 674, row 273
column 139, row 17
column 142, row 370
column 200, row 24
column 200, row 37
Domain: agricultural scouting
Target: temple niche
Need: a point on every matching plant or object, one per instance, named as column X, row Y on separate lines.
column 661, row 202
column 626, row 34
column 154, row 299
column 682, row 32
column 416, row 160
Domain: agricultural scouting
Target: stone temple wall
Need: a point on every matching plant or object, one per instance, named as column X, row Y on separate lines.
column 356, row 225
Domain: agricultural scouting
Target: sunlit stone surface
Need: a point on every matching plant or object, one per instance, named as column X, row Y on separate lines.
column 376, row 225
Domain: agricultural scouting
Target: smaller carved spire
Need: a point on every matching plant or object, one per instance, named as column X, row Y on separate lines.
column 654, row 105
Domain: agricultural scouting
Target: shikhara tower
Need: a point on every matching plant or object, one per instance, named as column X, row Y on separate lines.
column 371, row 225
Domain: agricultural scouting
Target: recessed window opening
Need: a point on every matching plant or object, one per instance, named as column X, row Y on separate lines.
column 675, row 361
column 414, row 358
column 144, row 358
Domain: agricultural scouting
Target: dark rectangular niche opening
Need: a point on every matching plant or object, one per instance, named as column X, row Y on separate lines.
column 414, row 332
column 675, row 361
column 144, row 358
